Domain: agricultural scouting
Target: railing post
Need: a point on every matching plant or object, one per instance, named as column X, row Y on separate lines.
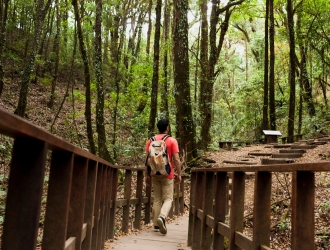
column 147, row 210
column 220, row 207
column 113, row 202
column 101, row 235
column 192, row 208
column 89, row 207
column 127, row 196
column 182, row 195
column 303, row 210
column 177, row 197
column 261, row 210
column 208, row 195
column 108, row 202
column 95, row 232
column 59, row 188
column 198, row 204
column 77, row 199
column 22, row 212
column 236, row 207
column 138, row 195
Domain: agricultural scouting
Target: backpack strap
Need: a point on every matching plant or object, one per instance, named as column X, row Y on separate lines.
column 165, row 137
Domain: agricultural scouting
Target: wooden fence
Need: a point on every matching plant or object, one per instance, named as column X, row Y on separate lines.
column 81, row 197
column 209, row 205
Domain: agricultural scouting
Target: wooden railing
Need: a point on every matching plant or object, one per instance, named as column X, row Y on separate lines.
column 209, row 205
column 82, row 199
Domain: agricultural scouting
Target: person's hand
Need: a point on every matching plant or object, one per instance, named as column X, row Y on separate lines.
column 178, row 179
column 147, row 180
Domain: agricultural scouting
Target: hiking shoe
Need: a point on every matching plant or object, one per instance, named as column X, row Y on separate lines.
column 162, row 226
column 156, row 229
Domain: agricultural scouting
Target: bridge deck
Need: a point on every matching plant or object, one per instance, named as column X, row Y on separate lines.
column 176, row 238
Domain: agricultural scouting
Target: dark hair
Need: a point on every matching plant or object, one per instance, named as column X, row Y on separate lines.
column 162, row 125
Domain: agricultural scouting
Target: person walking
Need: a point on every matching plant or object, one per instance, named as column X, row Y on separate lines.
column 163, row 187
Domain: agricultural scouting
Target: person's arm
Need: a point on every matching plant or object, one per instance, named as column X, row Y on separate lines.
column 177, row 165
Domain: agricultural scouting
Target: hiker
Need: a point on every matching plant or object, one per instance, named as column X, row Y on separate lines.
column 162, row 180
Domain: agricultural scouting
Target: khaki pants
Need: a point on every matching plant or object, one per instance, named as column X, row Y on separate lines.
column 163, row 197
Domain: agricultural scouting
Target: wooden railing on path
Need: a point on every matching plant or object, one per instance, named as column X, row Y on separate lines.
column 209, row 204
column 81, row 198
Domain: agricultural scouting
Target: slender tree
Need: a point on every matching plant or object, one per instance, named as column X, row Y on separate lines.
column 272, row 112
column 292, row 83
column 185, row 124
column 3, row 24
column 41, row 11
column 265, row 121
column 100, row 127
column 55, row 59
column 155, row 76
column 83, row 52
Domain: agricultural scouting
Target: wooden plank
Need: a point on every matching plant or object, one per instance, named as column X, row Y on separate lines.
column 89, row 204
column 300, row 151
column 207, row 209
column 209, row 221
column 240, row 162
column 223, row 229
column 59, row 189
column 101, row 234
column 113, row 187
column 220, row 208
column 138, row 205
column 70, row 244
column 192, row 207
column 77, row 199
column 303, row 195
column 25, row 186
column 243, row 241
column 287, row 155
column 83, row 232
column 270, row 161
column 315, row 166
column 236, row 207
column 261, row 210
column 198, row 203
column 95, row 230
column 127, row 196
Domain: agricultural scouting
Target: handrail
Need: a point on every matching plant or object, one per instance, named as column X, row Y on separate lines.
column 209, row 200
column 82, row 193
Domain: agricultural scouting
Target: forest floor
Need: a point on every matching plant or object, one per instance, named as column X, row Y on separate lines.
column 39, row 114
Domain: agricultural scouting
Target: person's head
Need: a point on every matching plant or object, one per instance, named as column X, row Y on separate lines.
column 162, row 125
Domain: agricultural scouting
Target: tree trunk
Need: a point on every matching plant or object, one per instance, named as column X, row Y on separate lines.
column 265, row 122
column 164, row 95
column 272, row 111
column 100, row 128
column 155, row 76
column 186, row 127
column 41, row 11
column 292, row 83
column 56, row 57
column 149, row 27
column 4, row 15
column 88, row 108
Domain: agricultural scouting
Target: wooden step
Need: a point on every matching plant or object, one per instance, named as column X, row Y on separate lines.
column 282, row 146
column 316, row 143
column 287, row 155
column 270, row 161
column 260, row 153
column 299, row 151
column 303, row 146
column 240, row 162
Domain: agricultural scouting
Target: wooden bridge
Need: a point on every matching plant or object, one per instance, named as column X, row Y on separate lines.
column 82, row 199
